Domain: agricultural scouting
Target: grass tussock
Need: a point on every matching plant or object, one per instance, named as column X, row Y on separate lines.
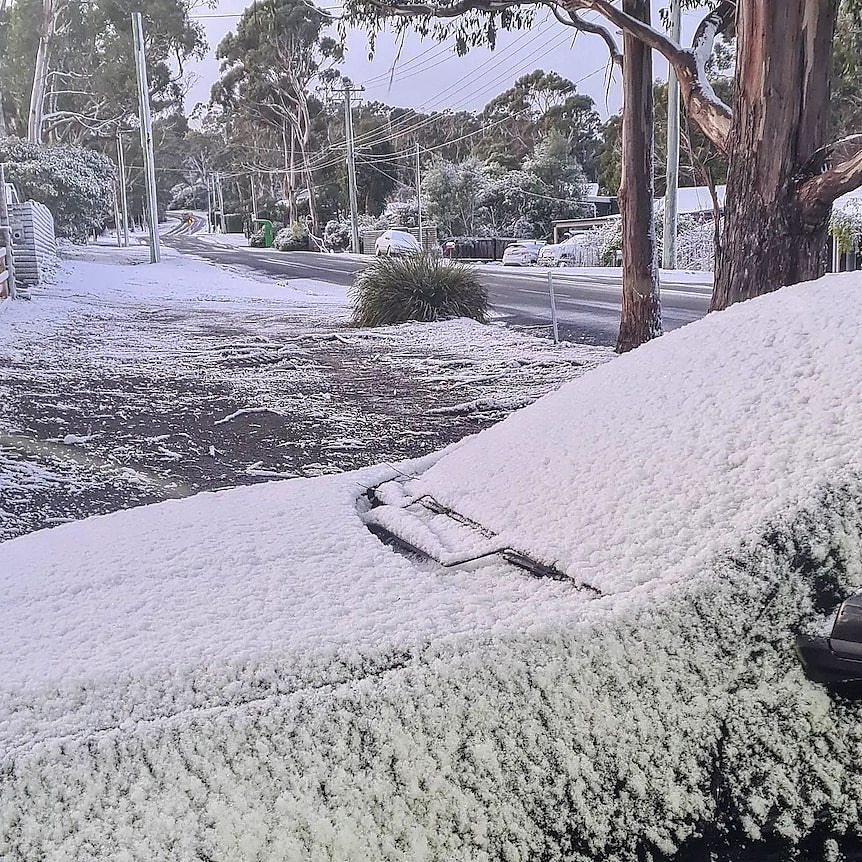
column 418, row 287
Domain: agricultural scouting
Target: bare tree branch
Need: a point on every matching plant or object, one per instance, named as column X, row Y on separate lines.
column 572, row 19
column 701, row 102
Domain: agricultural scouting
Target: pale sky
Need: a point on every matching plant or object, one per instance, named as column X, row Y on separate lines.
column 429, row 75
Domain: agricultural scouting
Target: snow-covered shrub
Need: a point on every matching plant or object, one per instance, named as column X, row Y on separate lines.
column 417, row 287
column 846, row 225
column 294, row 237
column 188, row 197
column 336, row 234
column 75, row 183
column 695, row 246
column 602, row 243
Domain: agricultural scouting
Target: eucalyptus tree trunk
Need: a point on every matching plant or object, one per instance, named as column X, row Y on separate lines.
column 774, row 232
column 640, row 319
column 40, row 73
column 289, row 170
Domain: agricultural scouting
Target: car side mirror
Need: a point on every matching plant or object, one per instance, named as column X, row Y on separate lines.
column 836, row 660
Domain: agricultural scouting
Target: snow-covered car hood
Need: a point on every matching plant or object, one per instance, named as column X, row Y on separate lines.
column 252, row 674
column 712, row 431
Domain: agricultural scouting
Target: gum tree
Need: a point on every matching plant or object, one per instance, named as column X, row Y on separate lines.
column 783, row 173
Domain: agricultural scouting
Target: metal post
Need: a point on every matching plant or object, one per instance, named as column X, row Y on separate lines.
column 220, row 202
column 253, row 199
column 6, row 234
column 117, row 218
column 146, row 137
column 553, row 308
column 668, row 257
column 419, row 195
column 351, row 172
column 121, row 168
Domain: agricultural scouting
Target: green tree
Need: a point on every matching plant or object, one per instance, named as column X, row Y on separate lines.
column 268, row 67
column 550, row 186
column 454, row 193
column 85, row 86
column 539, row 103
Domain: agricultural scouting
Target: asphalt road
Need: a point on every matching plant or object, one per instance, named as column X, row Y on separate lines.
column 588, row 306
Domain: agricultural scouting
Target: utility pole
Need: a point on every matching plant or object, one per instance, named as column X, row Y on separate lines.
column 117, row 217
column 253, row 199
column 668, row 257
column 351, row 168
column 419, row 196
column 220, row 202
column 146, row 137
column 6, row 235
column 121, row 168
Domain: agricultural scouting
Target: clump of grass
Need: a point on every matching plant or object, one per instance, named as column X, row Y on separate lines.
column 418, row 287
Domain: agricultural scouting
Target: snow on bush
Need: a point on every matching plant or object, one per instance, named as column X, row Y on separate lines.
column 294, row 237
column 75, row 183
column 252, row 675
column 695, row 244
column 846, row 224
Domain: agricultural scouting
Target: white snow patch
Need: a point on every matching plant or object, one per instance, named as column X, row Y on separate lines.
column 251, row 674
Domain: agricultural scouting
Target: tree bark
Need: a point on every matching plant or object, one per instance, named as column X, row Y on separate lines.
column 289, row 170
column 784, row 63
column 640, row 319
column 40, row 73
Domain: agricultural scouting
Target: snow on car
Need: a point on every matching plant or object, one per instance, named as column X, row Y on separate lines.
column 522, row 253
column 396, row 242
column 571, row 252
column 570, row 637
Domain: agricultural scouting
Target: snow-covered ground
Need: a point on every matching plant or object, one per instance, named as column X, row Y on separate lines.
column 253, row 675
column 125, row 383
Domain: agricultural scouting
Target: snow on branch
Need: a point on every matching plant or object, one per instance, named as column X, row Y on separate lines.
column 831, row 172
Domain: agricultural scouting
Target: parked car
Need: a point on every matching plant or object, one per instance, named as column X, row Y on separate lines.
column 392, row 243
column 569, row 637
column 571, row 252
column 522, row 253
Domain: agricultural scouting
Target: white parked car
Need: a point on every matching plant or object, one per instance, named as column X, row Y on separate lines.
column 392, row 243
column 570, row 637
column 522, row 253
column 572, row 252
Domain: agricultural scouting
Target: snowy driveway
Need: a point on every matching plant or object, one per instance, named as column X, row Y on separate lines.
column 122, row 385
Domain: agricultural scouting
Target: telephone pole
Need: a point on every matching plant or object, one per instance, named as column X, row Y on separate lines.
column 351, row 167
column 668, row 256
column 419, row 196
column 146, row 137
column 220, row 202
column 121, row 168
column 209, row 203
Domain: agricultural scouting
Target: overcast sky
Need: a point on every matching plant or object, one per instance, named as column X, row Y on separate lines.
column 429, row 75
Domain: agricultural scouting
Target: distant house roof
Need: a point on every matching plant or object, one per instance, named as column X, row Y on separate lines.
column 851, row 199
column 695, row 199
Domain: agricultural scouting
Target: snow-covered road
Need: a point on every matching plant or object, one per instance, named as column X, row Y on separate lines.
column 124, row 384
